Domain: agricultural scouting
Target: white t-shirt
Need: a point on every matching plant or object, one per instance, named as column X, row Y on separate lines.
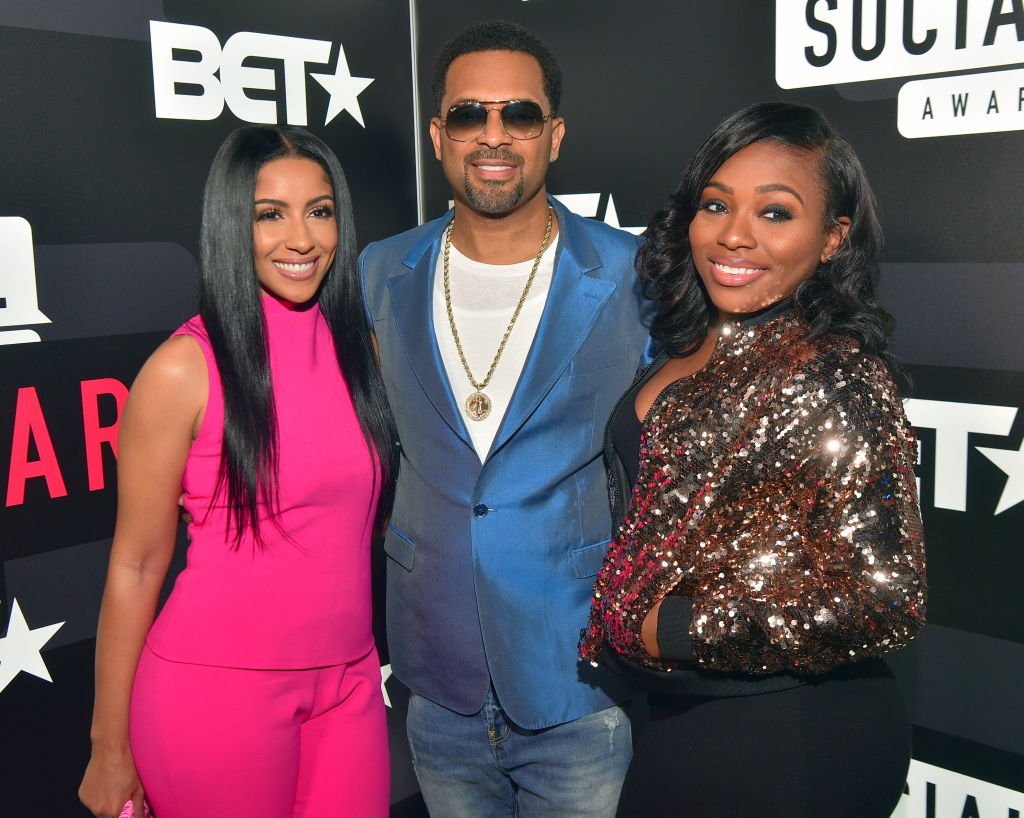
column 484, row 296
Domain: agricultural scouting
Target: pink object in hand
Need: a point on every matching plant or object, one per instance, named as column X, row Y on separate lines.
column 128, row 810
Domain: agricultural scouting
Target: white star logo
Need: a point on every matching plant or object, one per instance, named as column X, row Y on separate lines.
column 344, row 89
column 1012, row 463
column 611, row 218
column 19, row 650
column 385, row 674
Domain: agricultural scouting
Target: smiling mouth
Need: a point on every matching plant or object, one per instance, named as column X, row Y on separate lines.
column 494, row 172
column 738, row 271
column 297, row 271
column 498, row 163
column 728, row 275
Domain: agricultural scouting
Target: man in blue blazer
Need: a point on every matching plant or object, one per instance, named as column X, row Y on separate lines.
column 507, row 330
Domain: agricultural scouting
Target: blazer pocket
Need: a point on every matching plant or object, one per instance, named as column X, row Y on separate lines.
column 400, row 548
column 587, row 560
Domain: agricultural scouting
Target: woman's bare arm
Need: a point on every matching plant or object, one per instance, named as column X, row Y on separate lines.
column 160, row 418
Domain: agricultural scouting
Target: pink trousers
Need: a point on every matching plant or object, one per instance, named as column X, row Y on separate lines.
column 212, row 741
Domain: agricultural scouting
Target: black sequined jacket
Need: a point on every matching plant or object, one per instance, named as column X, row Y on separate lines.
column 776, row 494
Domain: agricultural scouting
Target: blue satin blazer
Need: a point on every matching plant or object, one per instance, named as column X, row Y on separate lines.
column 491, row 565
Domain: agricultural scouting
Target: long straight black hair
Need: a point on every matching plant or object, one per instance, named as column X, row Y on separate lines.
column 839, row 297
column 230, row 305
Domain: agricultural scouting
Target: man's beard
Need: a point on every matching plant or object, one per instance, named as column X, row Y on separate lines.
column 493, row 198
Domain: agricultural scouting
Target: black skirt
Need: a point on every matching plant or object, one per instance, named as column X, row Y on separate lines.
column 835, row 747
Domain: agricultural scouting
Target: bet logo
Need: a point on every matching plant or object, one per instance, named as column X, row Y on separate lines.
column 194, row 78
column 19, row 303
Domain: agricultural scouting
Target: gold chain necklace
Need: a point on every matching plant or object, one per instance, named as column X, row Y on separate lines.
column 478, row 405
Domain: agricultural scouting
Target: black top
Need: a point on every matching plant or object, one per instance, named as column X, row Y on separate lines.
column 626, row 430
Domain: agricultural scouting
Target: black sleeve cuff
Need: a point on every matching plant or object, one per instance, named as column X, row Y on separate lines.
column 674, row 629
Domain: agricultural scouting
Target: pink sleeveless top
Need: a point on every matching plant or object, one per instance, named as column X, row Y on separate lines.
column 304, row 599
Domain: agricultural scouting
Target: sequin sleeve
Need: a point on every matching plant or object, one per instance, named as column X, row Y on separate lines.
column 781, row 499
column 833, row 569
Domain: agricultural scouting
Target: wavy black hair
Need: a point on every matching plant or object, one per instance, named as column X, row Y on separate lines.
column 230, row 305
column 498, row 36
column 839, row 297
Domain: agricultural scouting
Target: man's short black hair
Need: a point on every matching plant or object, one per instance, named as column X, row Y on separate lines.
column 499, row 36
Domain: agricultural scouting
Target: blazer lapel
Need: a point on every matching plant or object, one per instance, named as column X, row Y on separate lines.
column 412, row 299
column 575, row 300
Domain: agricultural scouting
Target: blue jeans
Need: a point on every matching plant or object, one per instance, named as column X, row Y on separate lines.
column 484, row 766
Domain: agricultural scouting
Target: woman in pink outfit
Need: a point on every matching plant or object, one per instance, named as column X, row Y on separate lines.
column 256, row 691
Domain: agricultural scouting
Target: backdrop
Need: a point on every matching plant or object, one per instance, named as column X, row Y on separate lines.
column 112, row 110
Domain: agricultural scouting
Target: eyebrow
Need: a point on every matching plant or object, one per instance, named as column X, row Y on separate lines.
column 772, row 188
column 776, row 188
column 280, row 203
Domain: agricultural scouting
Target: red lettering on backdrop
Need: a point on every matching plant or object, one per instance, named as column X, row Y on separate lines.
column 29, row 422
column 96, row 435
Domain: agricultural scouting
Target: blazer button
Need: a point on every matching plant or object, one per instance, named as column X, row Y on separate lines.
column 480, row 510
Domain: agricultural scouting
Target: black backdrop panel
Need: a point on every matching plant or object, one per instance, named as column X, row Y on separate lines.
column 99, row 219
column 644, row 84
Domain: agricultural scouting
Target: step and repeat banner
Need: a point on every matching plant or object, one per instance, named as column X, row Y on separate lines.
column 112, row 110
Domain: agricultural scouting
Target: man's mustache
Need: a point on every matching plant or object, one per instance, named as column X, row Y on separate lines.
column 496, row 154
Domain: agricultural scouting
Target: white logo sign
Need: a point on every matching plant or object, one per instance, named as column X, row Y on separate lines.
column 825, row 42
column 953, row 424
column 385, row 674
column 20, row 648
column 19, row 304
column 175, row 80
column 939, row 793
column 587, row 204
column 978, row 103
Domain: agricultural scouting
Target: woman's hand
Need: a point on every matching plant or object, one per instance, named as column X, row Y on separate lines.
column 649, row 631
column 109, row 782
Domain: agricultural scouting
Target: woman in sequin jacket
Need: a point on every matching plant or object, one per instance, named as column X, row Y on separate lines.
column 771, row 551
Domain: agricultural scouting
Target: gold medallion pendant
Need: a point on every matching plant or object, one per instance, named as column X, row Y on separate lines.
column 478, row 406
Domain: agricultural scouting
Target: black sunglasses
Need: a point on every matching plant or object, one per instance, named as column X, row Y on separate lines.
column 521, row 119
